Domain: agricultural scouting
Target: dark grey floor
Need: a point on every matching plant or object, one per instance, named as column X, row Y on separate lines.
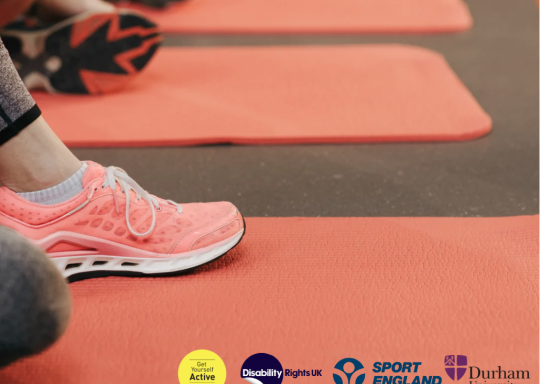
column 493, row 176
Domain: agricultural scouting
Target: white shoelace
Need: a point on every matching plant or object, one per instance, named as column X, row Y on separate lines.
column 117, row 175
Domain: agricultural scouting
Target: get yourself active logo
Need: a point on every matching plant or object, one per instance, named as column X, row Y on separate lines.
column 202, row 366
column 262, row 368
column 349, row 371
column 456, row 368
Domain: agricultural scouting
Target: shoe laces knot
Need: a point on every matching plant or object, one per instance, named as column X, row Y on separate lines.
column 115, row 175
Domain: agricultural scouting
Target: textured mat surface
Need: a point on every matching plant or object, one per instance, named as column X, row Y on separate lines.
column 314, row 16
column 497, row 175
column 277, row 95
column 312, row 291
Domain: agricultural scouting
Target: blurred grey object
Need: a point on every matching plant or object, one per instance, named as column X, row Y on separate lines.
column 35, row 303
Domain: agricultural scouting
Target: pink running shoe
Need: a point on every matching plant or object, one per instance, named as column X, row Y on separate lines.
column 114, row 227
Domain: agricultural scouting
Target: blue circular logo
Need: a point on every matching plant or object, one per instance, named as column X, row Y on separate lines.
column 349, row 371
column 262, row 368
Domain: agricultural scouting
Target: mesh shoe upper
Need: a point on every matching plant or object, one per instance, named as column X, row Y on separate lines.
column 94, row 213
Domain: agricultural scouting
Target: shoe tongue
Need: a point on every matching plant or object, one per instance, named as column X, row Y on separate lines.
column 93, row 171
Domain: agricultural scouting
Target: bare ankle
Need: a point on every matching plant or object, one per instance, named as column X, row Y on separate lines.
column 36, row 159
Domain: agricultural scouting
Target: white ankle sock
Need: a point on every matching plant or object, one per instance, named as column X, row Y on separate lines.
column 59, row 193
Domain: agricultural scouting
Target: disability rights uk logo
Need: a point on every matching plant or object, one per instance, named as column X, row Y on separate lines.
column 262, row 368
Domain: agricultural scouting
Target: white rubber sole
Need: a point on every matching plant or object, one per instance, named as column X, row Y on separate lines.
column 71, row 265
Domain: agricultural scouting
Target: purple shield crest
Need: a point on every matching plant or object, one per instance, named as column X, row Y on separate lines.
column 455, row 366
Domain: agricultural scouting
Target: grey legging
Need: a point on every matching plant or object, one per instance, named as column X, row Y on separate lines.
column 17, row 108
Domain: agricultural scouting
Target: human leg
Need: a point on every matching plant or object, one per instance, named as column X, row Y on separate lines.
column 27, row 132
column 111, row 224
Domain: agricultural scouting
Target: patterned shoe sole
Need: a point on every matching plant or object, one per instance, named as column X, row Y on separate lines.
column 88, row 54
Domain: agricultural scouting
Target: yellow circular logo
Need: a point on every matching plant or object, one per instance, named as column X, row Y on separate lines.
column 202, row 366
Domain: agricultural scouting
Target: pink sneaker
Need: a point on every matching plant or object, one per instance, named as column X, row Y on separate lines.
column 114, row 227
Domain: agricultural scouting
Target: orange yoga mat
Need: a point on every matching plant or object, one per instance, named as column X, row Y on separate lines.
column 276, row 95
column 313, row 16
column 312, row 291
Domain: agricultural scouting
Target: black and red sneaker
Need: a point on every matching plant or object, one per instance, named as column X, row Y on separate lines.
column 148, row 3
column 91, row 53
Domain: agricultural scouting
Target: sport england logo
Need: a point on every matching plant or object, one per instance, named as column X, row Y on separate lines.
column 349, row 371
column 455, row 366
column 262, row 368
